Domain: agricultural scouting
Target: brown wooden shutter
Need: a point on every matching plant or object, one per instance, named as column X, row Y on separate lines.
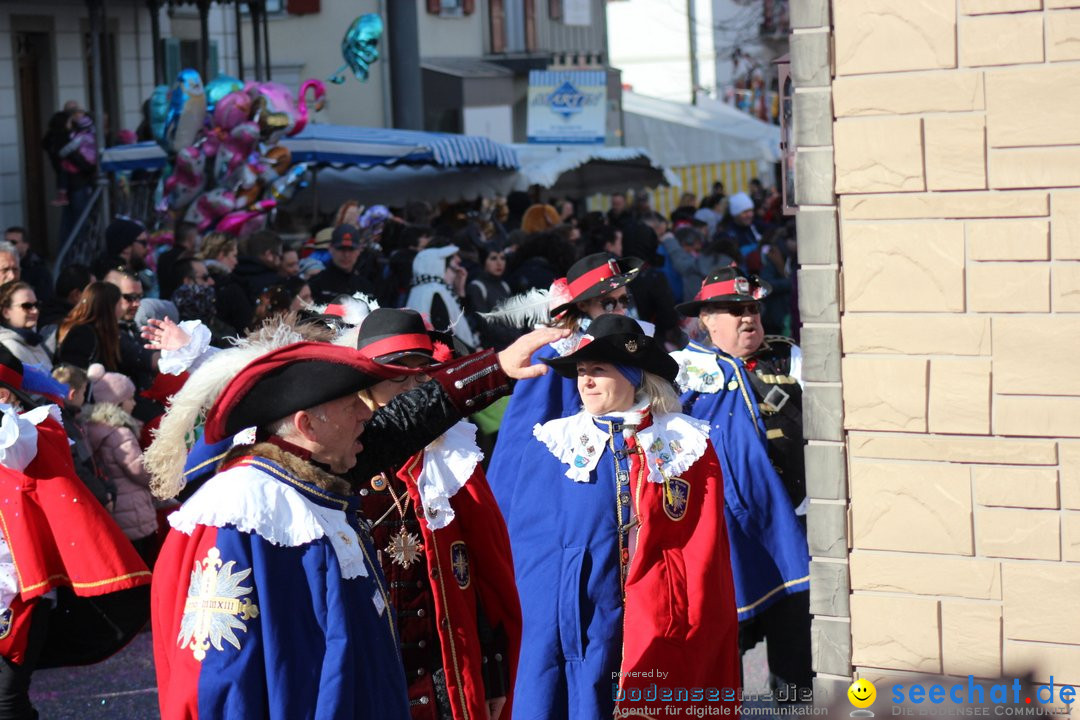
column 530, row 25
column 302, row 7
column 434, row 6
column 497, row 17
column 555, row 9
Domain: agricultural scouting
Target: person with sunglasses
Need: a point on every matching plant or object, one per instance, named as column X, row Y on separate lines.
column 19, row 311
column 745, row 385
column 595, row 286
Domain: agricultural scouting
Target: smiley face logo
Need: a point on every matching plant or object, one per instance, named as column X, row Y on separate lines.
column 862, row 693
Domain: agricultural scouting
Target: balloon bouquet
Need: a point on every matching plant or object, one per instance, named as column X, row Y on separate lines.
column 226, row 168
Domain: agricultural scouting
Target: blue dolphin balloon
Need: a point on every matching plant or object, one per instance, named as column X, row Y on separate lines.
column 360, row 47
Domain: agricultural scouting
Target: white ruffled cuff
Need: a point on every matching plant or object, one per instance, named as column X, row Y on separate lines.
column 189, row 357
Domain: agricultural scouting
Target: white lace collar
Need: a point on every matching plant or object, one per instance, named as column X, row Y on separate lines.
column 254, row 502
column 449, row 462
column 699, row 371
column 672, row 443
column 18, row 434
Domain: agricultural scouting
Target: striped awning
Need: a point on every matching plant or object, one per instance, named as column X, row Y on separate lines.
column 363, row 147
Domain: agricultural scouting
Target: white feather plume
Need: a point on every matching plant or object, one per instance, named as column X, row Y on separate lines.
column 527, row 310
column 165, row 457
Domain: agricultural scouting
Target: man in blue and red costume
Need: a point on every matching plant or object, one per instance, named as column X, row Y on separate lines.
column 769, row 556
column 268, row 598
column 72, row 588
column 445, row 549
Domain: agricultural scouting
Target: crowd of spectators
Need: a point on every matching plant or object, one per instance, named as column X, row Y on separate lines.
column 455, row 266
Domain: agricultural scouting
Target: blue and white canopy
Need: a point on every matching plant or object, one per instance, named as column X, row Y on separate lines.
column 353, row 146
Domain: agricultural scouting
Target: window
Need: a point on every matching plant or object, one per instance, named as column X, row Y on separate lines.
column 180, row 54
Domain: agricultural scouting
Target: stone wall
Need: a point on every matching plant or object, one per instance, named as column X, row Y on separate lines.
column 939, row 178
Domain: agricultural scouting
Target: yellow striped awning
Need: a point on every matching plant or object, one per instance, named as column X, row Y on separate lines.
column 697, row 179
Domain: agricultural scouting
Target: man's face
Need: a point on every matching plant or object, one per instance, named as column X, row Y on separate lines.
column 387, row 390
column 745, row 217
column 735, row 328
column 337, row 426
column 138, row 248
column 345, row 258
column 290, row 263
column 615, row 246
column 603, row 389
column 202, row 276
column 618, row 203
column 131, row 294
column 19, row 241
column 9, row 267
column 617, row 302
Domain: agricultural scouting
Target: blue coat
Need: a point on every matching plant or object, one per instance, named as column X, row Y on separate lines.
column 580, row 586
column 533, row 402
column 253, row 619
column 769, row 556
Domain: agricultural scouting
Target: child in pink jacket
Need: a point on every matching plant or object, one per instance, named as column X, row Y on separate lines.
column 113, row 435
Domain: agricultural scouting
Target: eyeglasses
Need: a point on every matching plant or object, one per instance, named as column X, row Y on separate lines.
column 28, row 306
column 132, row 297
column 742, row 309
column 609, row 303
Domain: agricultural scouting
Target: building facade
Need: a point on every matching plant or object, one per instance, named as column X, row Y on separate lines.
column 45, row 62
column 939, row 234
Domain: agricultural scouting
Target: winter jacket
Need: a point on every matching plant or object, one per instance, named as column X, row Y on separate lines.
column 28, row 354
column 113, row 437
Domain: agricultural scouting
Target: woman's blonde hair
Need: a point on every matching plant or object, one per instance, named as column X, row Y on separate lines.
column 215, row 245
column 660, row 393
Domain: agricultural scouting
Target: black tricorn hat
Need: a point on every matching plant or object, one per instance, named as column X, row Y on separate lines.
column 389, row 334
column 618, row 340
column 291, row 378
column 596, row 275
column 11, row 377
column 726, row 285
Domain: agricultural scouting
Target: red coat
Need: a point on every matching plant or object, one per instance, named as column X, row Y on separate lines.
column 59, row 536
column 478, row 534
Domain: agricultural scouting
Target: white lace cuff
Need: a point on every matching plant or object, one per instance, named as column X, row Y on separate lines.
column 189, row 357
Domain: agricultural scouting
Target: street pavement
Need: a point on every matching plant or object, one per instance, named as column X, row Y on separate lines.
column 123, row 687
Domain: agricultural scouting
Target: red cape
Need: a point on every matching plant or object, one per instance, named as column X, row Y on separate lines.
column 477, row 526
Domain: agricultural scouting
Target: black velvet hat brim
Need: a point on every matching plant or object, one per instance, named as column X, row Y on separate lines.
column 648, row 356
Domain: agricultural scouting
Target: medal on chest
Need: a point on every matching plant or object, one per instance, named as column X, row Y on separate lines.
column 404, row 548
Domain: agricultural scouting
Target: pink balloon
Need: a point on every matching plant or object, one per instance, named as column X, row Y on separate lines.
column 319, row 89
column 232, row 110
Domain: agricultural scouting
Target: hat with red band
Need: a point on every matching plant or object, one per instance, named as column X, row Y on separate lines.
column 618, row 340
column 389, row 334
column 11, row 377
column 291, row 378
column 597, row 275
column 726, row 285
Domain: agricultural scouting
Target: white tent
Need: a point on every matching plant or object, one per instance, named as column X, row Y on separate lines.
column 679, row 134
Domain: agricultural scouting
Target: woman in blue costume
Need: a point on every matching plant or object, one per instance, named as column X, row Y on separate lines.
column 596, row 285
column 620, row 551
column 769, row 555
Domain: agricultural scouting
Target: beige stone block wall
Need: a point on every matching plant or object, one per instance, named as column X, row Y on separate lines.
column 956, row 152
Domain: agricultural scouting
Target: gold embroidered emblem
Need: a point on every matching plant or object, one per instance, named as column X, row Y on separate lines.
column 676, row 497
column 459, row 563
column 404, row 548
column 215, row 599
column 631, row 346
column 6, row 623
